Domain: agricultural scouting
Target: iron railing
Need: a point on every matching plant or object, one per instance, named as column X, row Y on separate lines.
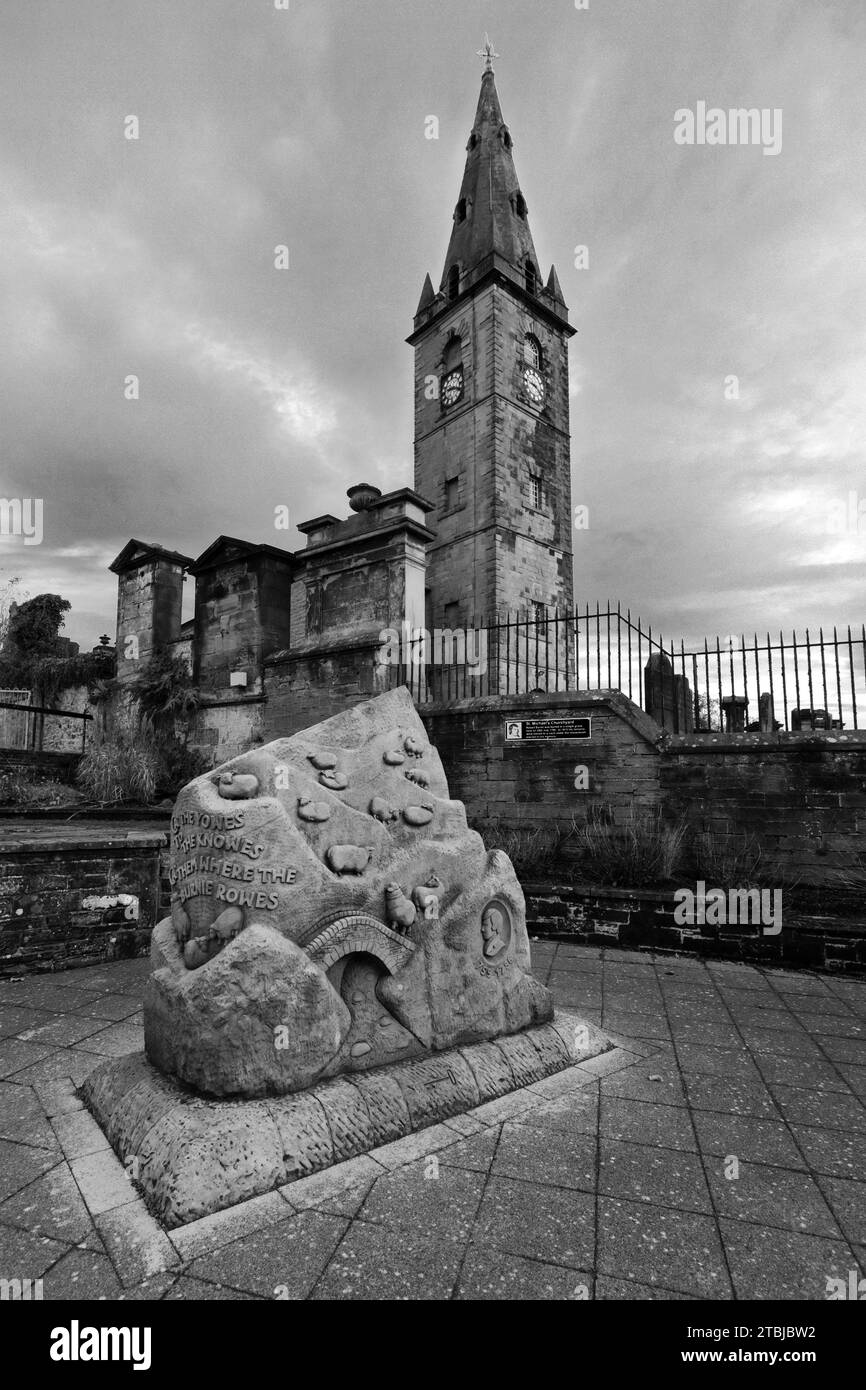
column 730, row 684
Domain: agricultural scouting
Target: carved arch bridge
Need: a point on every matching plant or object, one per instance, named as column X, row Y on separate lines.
column 356, row 933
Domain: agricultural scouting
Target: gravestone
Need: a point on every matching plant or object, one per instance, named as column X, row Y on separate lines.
column 668, row 697
column 338, row 938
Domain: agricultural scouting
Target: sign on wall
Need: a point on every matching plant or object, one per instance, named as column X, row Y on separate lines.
column 527, row 730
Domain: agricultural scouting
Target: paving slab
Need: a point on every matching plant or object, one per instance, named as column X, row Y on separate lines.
column 605, row 1181
column 769, row 1263
column 659, row 1245
column 770, row 1196
column 289, row 1256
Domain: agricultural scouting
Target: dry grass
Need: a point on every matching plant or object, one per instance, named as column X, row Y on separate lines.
column 642, row 851
column 531, row 849
column 727, row 860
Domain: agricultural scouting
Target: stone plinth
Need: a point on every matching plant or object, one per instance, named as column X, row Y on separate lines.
column 191, row 1157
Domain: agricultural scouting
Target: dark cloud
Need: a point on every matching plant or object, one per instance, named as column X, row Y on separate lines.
column 260, row 387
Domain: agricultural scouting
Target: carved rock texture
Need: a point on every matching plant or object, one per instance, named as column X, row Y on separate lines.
column 265, row 1008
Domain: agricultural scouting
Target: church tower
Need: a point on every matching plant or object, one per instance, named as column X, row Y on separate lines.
column 491, row 400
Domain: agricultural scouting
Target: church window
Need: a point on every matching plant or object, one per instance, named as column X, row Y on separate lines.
column 505, row 136
column 452, row 493
column 539, row 613
column 536, row 492
column 461, row 210
column 454, row 282
column 520, row 205
column 452, row 616
column 531, row 277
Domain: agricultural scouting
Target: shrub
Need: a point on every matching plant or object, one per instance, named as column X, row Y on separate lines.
column 145, row 755
column 644, row 850
column 124, row 767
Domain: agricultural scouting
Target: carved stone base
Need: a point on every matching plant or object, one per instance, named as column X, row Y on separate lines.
column 192, row 1156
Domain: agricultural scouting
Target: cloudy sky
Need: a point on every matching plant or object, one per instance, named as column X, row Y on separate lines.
column 305, row 127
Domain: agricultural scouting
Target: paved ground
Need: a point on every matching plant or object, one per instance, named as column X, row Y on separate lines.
column 718, row 1152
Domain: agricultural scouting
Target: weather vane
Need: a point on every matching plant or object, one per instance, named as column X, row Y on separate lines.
column 488, row 53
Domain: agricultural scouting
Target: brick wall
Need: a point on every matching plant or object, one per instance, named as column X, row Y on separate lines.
column 61, row 895
column 41, row 767
column 645, row 919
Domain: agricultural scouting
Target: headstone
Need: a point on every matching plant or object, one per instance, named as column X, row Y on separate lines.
column 668, row 697
column 734, row 711
column 767, row 722
column 331, row 913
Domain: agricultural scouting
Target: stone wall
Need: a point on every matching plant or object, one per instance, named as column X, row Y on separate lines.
column 74, row 896
column 64, row 735
column 800, row 797
column 306, row 688
column 221, row 729
column 242, row 612
column 534, row 782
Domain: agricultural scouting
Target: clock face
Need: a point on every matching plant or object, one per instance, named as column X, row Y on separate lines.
column 452, row 387
column 534, row 383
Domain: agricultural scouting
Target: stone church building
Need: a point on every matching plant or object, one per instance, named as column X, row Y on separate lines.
column 280, row 639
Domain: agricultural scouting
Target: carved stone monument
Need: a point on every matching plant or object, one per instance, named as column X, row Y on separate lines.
column 332, row 916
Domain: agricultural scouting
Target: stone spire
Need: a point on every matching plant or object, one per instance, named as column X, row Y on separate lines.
column 491, row 212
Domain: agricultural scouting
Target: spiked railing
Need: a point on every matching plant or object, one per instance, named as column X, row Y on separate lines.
column 726, row 685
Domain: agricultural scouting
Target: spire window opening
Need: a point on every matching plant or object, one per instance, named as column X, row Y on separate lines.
column 532, row 352
column 460, row 214
column 454, row 282
column 451, row 384
column 531, row 278
column 520, row 206
column 505, row 137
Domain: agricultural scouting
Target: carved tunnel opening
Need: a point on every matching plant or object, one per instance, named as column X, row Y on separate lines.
column 358, row 934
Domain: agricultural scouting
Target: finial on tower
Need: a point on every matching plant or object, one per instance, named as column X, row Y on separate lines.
column 488, row 53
